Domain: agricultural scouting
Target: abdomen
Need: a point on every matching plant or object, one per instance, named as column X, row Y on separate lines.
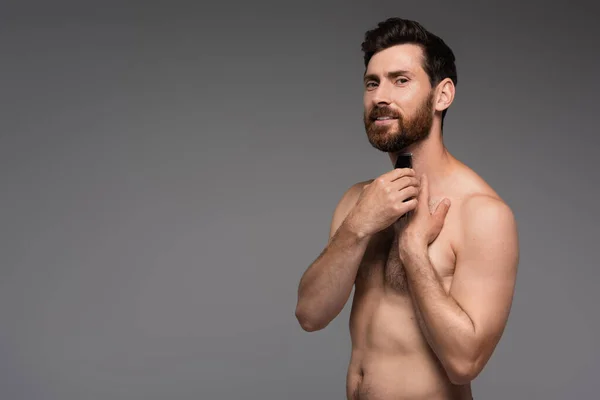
column 391, row 358
column 382, row 321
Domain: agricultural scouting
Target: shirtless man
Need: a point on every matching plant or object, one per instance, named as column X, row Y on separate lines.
column 431, row 251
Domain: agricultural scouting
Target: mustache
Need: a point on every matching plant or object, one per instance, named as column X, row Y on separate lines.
column 378, row 112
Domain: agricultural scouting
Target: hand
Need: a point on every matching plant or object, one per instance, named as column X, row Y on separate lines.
column 423, row 227
column 384, row 200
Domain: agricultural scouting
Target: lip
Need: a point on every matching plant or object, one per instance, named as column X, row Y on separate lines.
column 384, row 121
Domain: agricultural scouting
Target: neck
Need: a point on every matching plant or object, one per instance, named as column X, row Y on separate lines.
column 429, row 157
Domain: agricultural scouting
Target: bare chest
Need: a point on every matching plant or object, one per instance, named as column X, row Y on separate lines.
column 381, row 265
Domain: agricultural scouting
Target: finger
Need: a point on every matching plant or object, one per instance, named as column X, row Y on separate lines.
column 408, row 192
column 406, row 206
column 423, row 195
column 398, row 173
column 405, row 182
column 440, row 212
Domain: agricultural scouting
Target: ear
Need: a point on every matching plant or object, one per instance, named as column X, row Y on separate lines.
column 445, row 94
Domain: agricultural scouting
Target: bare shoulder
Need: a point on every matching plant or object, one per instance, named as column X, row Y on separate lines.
column 486, row 220
column 345, row 204
column 481, row 204
column 484, row 211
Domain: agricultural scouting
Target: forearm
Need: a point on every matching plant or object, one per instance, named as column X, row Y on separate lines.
column 448, row 329
column 327, row 283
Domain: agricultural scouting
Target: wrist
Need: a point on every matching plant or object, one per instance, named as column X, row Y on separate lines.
column 354, row 229
column 411, row 250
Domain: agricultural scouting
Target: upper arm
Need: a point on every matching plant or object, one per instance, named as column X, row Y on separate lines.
column 487, row 257
column 344, row 206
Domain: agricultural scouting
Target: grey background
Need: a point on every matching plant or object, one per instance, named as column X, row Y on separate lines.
column 169, row 170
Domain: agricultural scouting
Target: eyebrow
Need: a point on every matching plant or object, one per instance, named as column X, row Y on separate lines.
column 390, row 75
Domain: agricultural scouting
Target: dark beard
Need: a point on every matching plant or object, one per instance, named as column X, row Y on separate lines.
column 396, row 137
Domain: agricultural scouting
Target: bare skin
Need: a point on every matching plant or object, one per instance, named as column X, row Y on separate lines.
column 433, row 290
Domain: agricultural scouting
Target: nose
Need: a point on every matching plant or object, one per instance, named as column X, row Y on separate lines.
column 381, row 95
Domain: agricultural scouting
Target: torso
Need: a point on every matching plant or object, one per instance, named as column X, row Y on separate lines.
column 391, row 358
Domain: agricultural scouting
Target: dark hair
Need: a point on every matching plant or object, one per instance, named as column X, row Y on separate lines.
column 438, row 60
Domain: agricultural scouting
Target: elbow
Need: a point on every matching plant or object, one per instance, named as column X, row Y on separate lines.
column 461, row 378
column 464, row 365
column 309, row 322
column 463, row 372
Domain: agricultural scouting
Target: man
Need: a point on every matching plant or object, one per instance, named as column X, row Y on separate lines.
column 432, row 251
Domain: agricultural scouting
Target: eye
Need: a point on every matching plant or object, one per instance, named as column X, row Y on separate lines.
column 370, row 85
column 401, row 81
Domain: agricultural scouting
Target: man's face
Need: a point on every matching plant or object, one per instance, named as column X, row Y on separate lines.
column 398, row 98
